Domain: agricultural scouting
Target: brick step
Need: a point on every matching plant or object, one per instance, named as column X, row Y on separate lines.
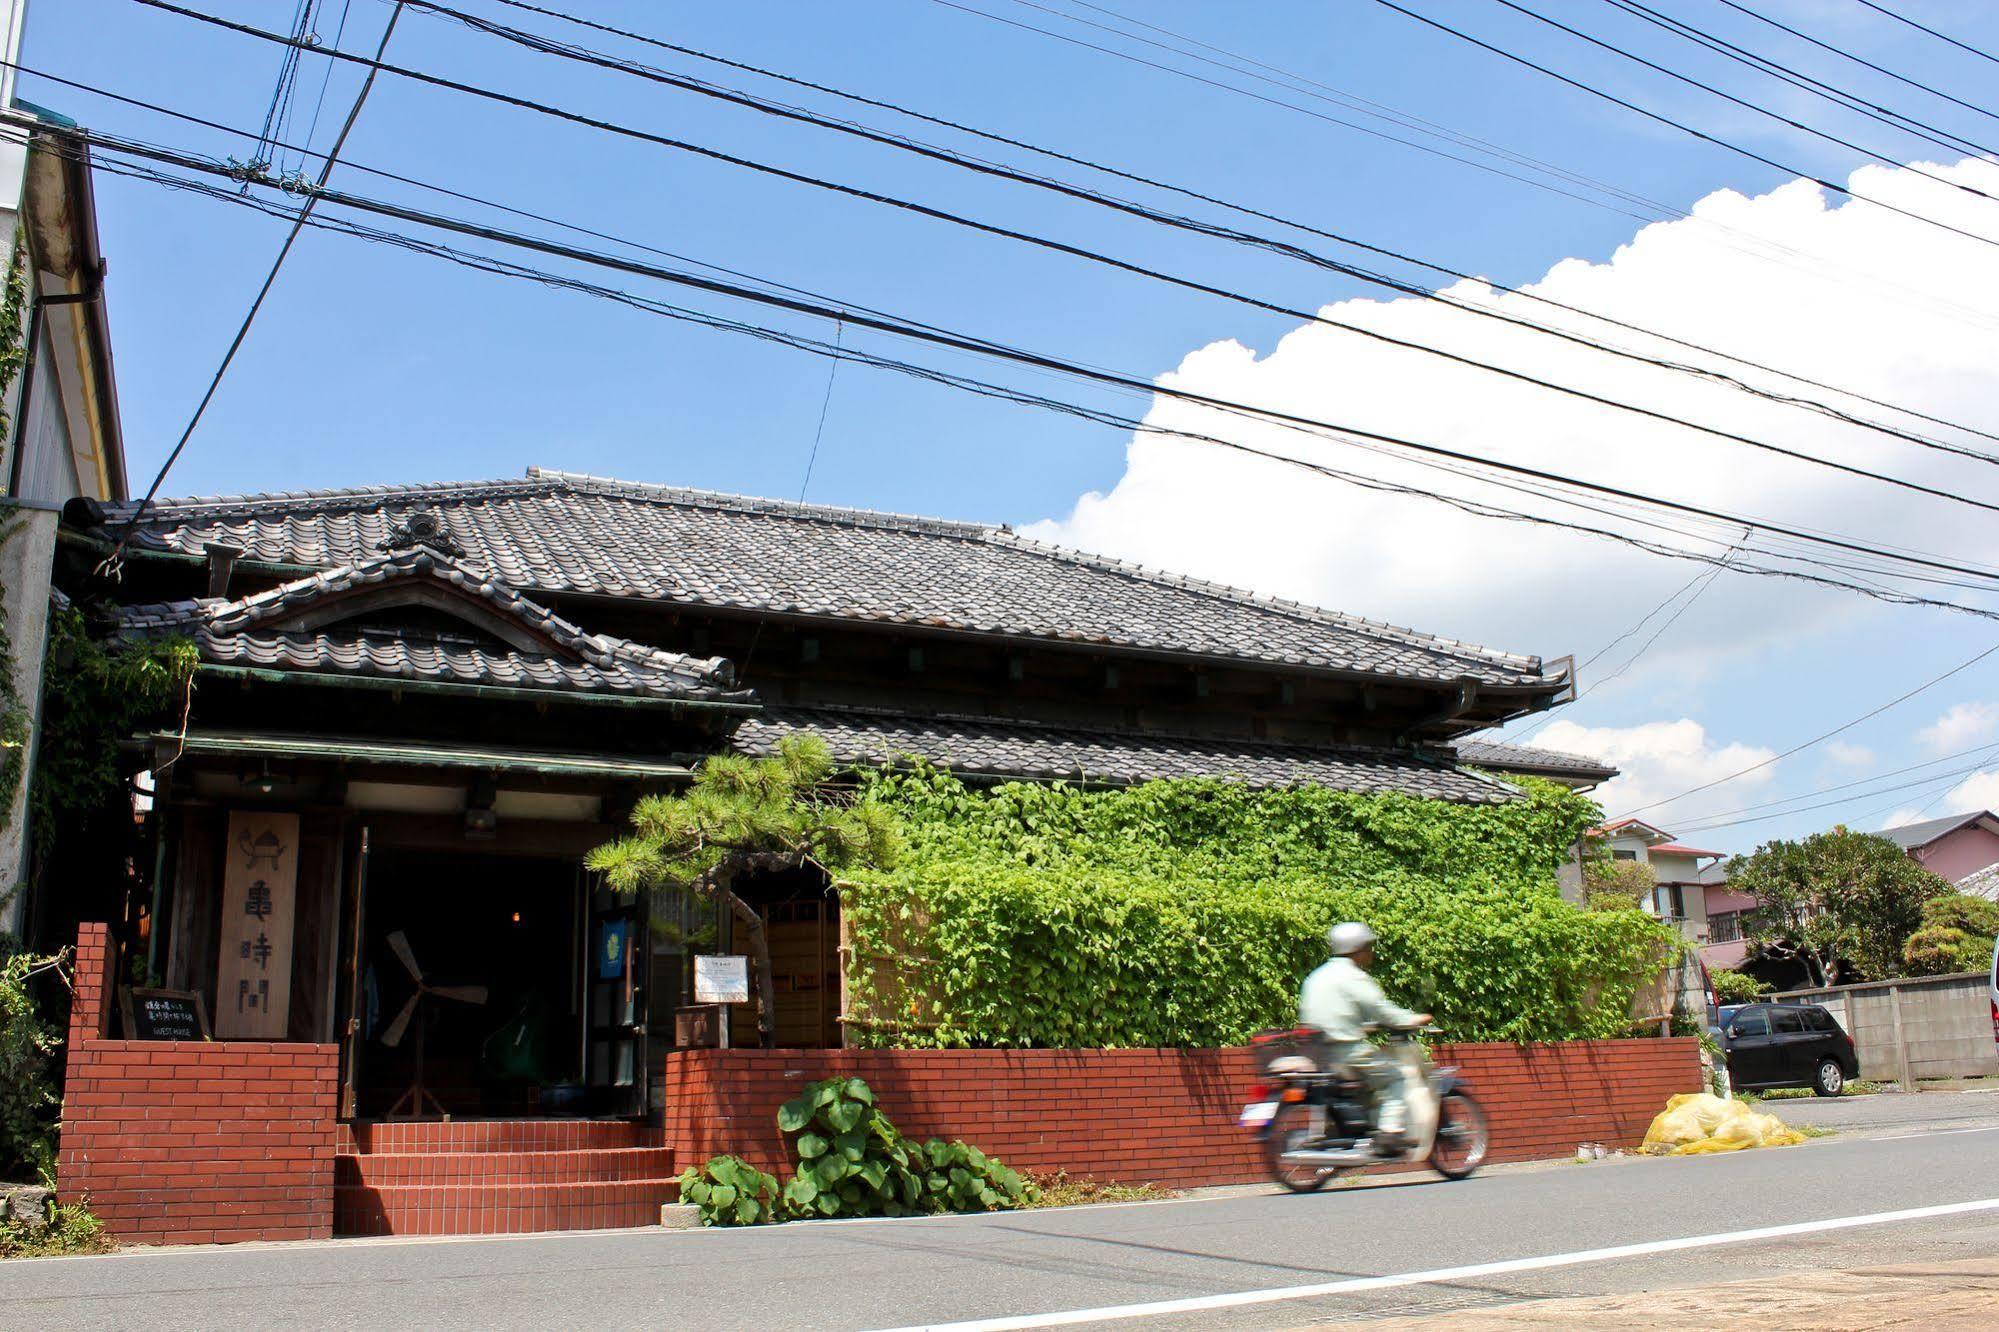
column 501, row 1135
column 497, row 1209
column 588, row 1166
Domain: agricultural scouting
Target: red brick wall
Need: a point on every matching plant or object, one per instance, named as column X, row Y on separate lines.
column 1163, row 1116
column 188, row 1142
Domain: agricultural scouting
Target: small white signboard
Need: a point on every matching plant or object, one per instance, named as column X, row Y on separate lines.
column 721, row 978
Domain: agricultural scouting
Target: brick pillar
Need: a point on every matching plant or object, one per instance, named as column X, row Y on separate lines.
column 90, row 1004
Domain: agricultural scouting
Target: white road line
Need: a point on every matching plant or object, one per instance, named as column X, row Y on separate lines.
column 1436, row 1276
column 1937, row 1133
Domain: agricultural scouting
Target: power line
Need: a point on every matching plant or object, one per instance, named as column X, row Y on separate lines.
column 1711, row 821
column 287, row 77
column 1704, row 581
column 1189, row 75
column 1743, row 102
column 113, row 561
column 1365, row 275
column 1316, row 89
column 1930, row 683
column 1080, row 252
column 1736, row 148
column 326, row 79
column 1072, row 369
column 1840, row 97
column 1138, row 388
column 528, row 214
column 1665, row 209
column 1896, row 789
column 1858, row 60
column 1942, row 37
column 1470, row 472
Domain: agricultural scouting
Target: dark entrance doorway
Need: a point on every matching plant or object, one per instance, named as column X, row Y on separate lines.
column 802, row 929
column 472, row 969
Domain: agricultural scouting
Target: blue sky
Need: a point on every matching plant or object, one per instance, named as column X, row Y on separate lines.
column 371, row 366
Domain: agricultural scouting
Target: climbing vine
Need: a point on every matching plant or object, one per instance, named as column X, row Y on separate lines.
column 1186, row 913
column 13, row 714
column 94, row 698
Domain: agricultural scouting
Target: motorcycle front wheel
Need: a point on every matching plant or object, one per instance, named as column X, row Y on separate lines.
column 1462, row 1136
column 1293, row 1128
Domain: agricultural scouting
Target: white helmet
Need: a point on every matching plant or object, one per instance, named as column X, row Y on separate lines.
column 1349, row 938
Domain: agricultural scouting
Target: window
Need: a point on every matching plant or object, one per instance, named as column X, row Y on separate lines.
column 1724, row 927
column 1624, row 855
column 1787, row 1020
column 1817, row 1019
column 1750, row 1024
column 1667, row 903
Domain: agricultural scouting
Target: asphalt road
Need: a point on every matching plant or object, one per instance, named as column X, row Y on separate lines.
column 1896, row 1154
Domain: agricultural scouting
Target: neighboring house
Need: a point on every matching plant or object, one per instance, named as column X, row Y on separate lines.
column 1954, row 847
column 1728, row 914
column 1981, row 883
column 1680, row 895
column 62, row 438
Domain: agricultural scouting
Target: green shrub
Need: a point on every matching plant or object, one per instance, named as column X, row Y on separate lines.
column 28, row 1047
column 1957, row 934
column 1186, row 914
column 1617, row 885
column 852, row 1161
column 731, row 1192
column 1735, row 987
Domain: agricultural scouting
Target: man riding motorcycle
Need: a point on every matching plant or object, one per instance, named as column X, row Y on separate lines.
column 1340, row 999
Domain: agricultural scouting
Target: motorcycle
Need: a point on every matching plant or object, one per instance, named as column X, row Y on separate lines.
column 1316, row 1123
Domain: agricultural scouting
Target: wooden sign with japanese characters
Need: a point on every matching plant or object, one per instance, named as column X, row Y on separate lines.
column 253, row 980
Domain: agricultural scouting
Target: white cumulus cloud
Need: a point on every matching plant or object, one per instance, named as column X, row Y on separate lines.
column 1852, row 295
column 1656, row 760
column 1976, row 792
column 1960, row 728
column 1843, row 755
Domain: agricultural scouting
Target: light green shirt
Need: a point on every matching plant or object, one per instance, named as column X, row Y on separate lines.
column 1339, row 999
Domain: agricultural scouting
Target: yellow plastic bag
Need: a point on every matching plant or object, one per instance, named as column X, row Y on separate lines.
column 1698, row 1123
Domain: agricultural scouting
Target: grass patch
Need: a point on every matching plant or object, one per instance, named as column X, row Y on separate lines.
column 71, row 1230
column 1811, row 1130
column 1061, row 1190
column 1857, row 1087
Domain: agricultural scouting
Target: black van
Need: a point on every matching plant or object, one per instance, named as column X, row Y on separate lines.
column 1787, row 1045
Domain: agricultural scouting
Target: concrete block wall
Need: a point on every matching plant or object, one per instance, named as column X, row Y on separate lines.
column 1945, row 1027
column 192, row 1142
column 1160, row 1116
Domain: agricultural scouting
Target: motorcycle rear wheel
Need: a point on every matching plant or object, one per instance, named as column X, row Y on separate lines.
column 1290, row 1129
column 1463, row 1136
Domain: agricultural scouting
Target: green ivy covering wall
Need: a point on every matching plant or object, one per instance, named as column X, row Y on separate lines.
column 1187, row 913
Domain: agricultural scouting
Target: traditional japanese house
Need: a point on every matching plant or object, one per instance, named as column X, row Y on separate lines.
column 418, row 706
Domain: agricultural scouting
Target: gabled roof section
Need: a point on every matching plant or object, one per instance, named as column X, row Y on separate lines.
column 1652, row 835
column 1503, row 757
column 558, row 532
column 1912, row 836
column 999, row 749
column 1675, row 849
column 320, row 625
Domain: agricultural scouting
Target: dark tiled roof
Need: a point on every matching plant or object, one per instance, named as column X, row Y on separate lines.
column 1526, row 758
column 556, row 532
column 1912, row 835
column 986, row 747
column 253, row 631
